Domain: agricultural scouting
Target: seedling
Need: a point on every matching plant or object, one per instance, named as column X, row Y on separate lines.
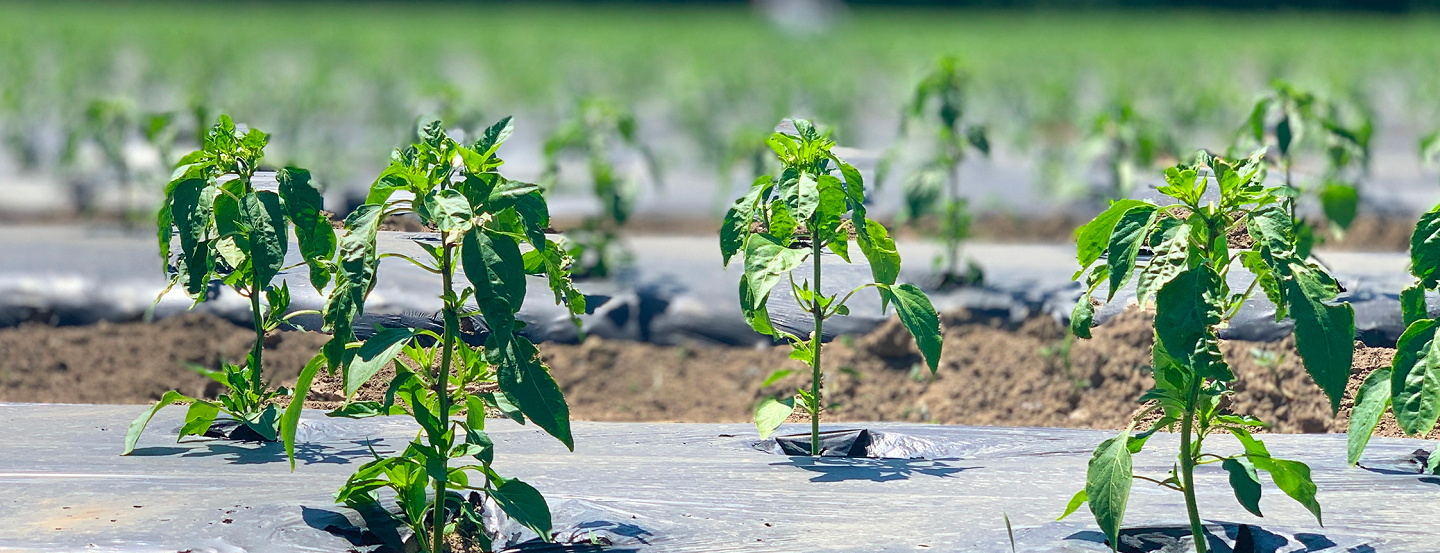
column 234, row 233
column 1131, row 143
column 1283, row 118
column 1187, row 282
column 1410, row 388
column 593, row 131
column 939, row 107
column 482, row 218
column 784, row 221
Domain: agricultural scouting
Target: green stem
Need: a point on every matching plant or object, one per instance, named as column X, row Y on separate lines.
column 1187, row 467
column 952, row 237
column 442, row 398
column 815, row 311
column 259, row 318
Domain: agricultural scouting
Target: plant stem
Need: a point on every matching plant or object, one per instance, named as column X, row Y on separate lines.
column 259, row 318
column 819, row 326
column 1187, row 467
column 442, row 399
column 952, row 237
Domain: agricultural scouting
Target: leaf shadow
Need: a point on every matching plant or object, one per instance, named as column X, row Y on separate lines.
column 841, row 469
column 274, row 452
column 158, row 451
column 1237, row 538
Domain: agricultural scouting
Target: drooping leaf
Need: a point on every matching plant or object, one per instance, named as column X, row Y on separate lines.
column 767, row 261
column 1371, row 401
column 525, row 505
column 290, row 420
column 1186, row 312
column 1340, row 202
column 448, row 209
column 194, row 218
column 1107, row 485
column 1082, row 317
column 1425, row 249
column 920, row 318
column 771, row 413
column 1125, row 241
column 303, row 205
column 133, row 434
column 1292, row 477
column 527, row 382
column 736, row 227
column 880, row 251
column 198, row 418
column 1245, row 482
column 494, row 265
column 1415, row 378
column 377, row 352
column 1074, row 505
column 1324, row 331
column 268, row 237
column 1412, row 305
column 357, row 261
column 1093, row 237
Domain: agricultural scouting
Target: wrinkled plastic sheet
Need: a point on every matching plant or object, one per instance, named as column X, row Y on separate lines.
column 675, row 293
column 682, row 488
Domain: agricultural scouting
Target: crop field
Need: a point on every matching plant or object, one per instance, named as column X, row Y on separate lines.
column 672, row 276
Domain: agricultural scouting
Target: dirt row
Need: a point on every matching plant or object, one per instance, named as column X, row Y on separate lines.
column 991, row 373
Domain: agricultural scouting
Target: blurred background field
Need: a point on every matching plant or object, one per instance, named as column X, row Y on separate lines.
column 94, row 95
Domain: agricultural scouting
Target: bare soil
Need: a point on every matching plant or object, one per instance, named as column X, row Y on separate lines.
column 991, row 374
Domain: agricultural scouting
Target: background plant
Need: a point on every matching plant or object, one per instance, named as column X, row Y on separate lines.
column 482, row 218
column 595, row 131
column 802, row 212
column 940, row 107
column 235, row 233
column 1410, row 388
column 1130, row 142
column 1187, row 281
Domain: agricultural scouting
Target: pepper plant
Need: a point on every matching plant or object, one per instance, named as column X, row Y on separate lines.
column 593, row 131
column 482, row 218
column 1410, row 388
column 939, row 106
column 1187, row 282
column 232, row 232
column 784, row 221
column 1131, row 143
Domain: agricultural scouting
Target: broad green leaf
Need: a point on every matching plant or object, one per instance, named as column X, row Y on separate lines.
column 1172, row 256
column 303, row 204
column 1092, row 238
column 1340, row 202
column 767, row 261
column 507, row 192
column 880, row 251
column 736, row 228
column 807, row 198
column 1186, row 311
column 494, row 136
column 1371, row 401
column 1107, row 484
column 133, row 434
column 1415, row 378
column 1082, row 317
column 554, row 263
column 919, row 317
column 1270, row 226
column 290, row 420
column 1254, row 262
column 782, row 223
column 1324, row 331
column 198, row 418
column 771, row 413
column 1293, row 478
column 1125, row 241
column 268, row 237
column 1074, row 505
column 494, row 265
column 266, row 423
column 193, row 218
column 527, row 382
column 1245, row 482
column 1412, row 304
column 377, row 352
column 1424, row 249
column 525, row 505
column 534, row 216
column 829, row 211
column 448, row 209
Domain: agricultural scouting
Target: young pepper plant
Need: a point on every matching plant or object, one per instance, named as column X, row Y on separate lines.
column 233, row 232
column 939, row 106
column 1410, row 388
column 1186, row 281
column 799, row 214
column 593, row 131
column 1131, row 142
column 482, row 218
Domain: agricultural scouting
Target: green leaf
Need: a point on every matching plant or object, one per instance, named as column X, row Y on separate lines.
column 358, row 261
column 1074, row 505
column 290, row 420
column 193, row 218
column 771, row 413
column 198, row 418
column 502, row 403
column 1340, row 201
column 267, row 236
column 777, row 375
column 1125, row 241
column 1246, row 483
column 525, row 505
column 1172, row 256
column 880, row 251
column 1412, row 304
column 133, row 434
column 494, row 136
column 1371, row 401
column 527, row 382
column 736, row 228
column 1082, row 317
column 767, row 261
column 1107, row 484
column 1092, row 238
column 1186, row 311
column 1424, row 249
column 394, row 178
column 494, row 265
column 1270, row 226
column 807, row 198
column 1415, row 380
column 377, row 352
column 303, row 204
column 365, row 410
column 448, row 209
column 1293, row 478
column 1324, row 331
column 920, row 318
